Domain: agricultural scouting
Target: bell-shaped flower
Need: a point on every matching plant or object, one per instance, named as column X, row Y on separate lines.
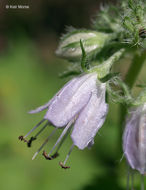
column 134, row 139
column 80, row 102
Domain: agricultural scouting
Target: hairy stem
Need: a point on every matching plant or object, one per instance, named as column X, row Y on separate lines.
column 135, row 68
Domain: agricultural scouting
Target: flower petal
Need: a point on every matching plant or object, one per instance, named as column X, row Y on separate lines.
column 41, row 108
column 130, row 141
column 134, row 139
column 90, row 119
column 71, row 100
column 142, row 142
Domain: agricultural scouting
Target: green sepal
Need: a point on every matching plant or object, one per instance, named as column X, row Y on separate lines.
column 108, row 77
column 119, row 92
column 104, row 68
column 84, row 60
column 141, row 99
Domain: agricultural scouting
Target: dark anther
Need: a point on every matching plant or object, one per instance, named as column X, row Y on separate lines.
column 55, row 155
column 30, row 141
column 63, row 166
column 46, row 156
column 22, row 138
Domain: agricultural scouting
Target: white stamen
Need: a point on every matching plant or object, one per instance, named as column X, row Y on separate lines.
column 62, row 141
column 34, row 127
column 62, row 135
column 39, row 132
column 68, row 154
column 45, row 142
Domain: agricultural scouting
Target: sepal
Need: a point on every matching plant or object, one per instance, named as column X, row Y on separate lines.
column 141, row 99
column 104, row 68
column 118, row 91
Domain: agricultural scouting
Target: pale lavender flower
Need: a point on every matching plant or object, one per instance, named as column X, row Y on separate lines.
column 80, row 102
column 134, row 139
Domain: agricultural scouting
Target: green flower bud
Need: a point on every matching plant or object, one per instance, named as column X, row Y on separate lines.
column 70, row 48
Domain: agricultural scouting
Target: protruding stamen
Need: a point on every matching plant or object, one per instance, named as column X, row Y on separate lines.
column 41, row 130
column 61, row 136
column 46, row 156
column 68, row 154
column 45, row 142
column 30, row 141
column 142, row 182
column 34, row 128
column 56, row 154
column 50, row 157
column 22, row 138
column 63, row 164
column 35, row 137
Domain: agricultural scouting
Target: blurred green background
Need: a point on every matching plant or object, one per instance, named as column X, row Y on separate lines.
column 28, row 78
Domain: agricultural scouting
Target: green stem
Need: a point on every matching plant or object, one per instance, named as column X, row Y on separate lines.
column 135, row 68
column 130, row 79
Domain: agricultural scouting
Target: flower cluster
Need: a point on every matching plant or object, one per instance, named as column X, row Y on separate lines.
column 80, row 107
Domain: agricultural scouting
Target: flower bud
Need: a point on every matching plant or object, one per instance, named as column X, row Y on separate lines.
column 69, row 47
